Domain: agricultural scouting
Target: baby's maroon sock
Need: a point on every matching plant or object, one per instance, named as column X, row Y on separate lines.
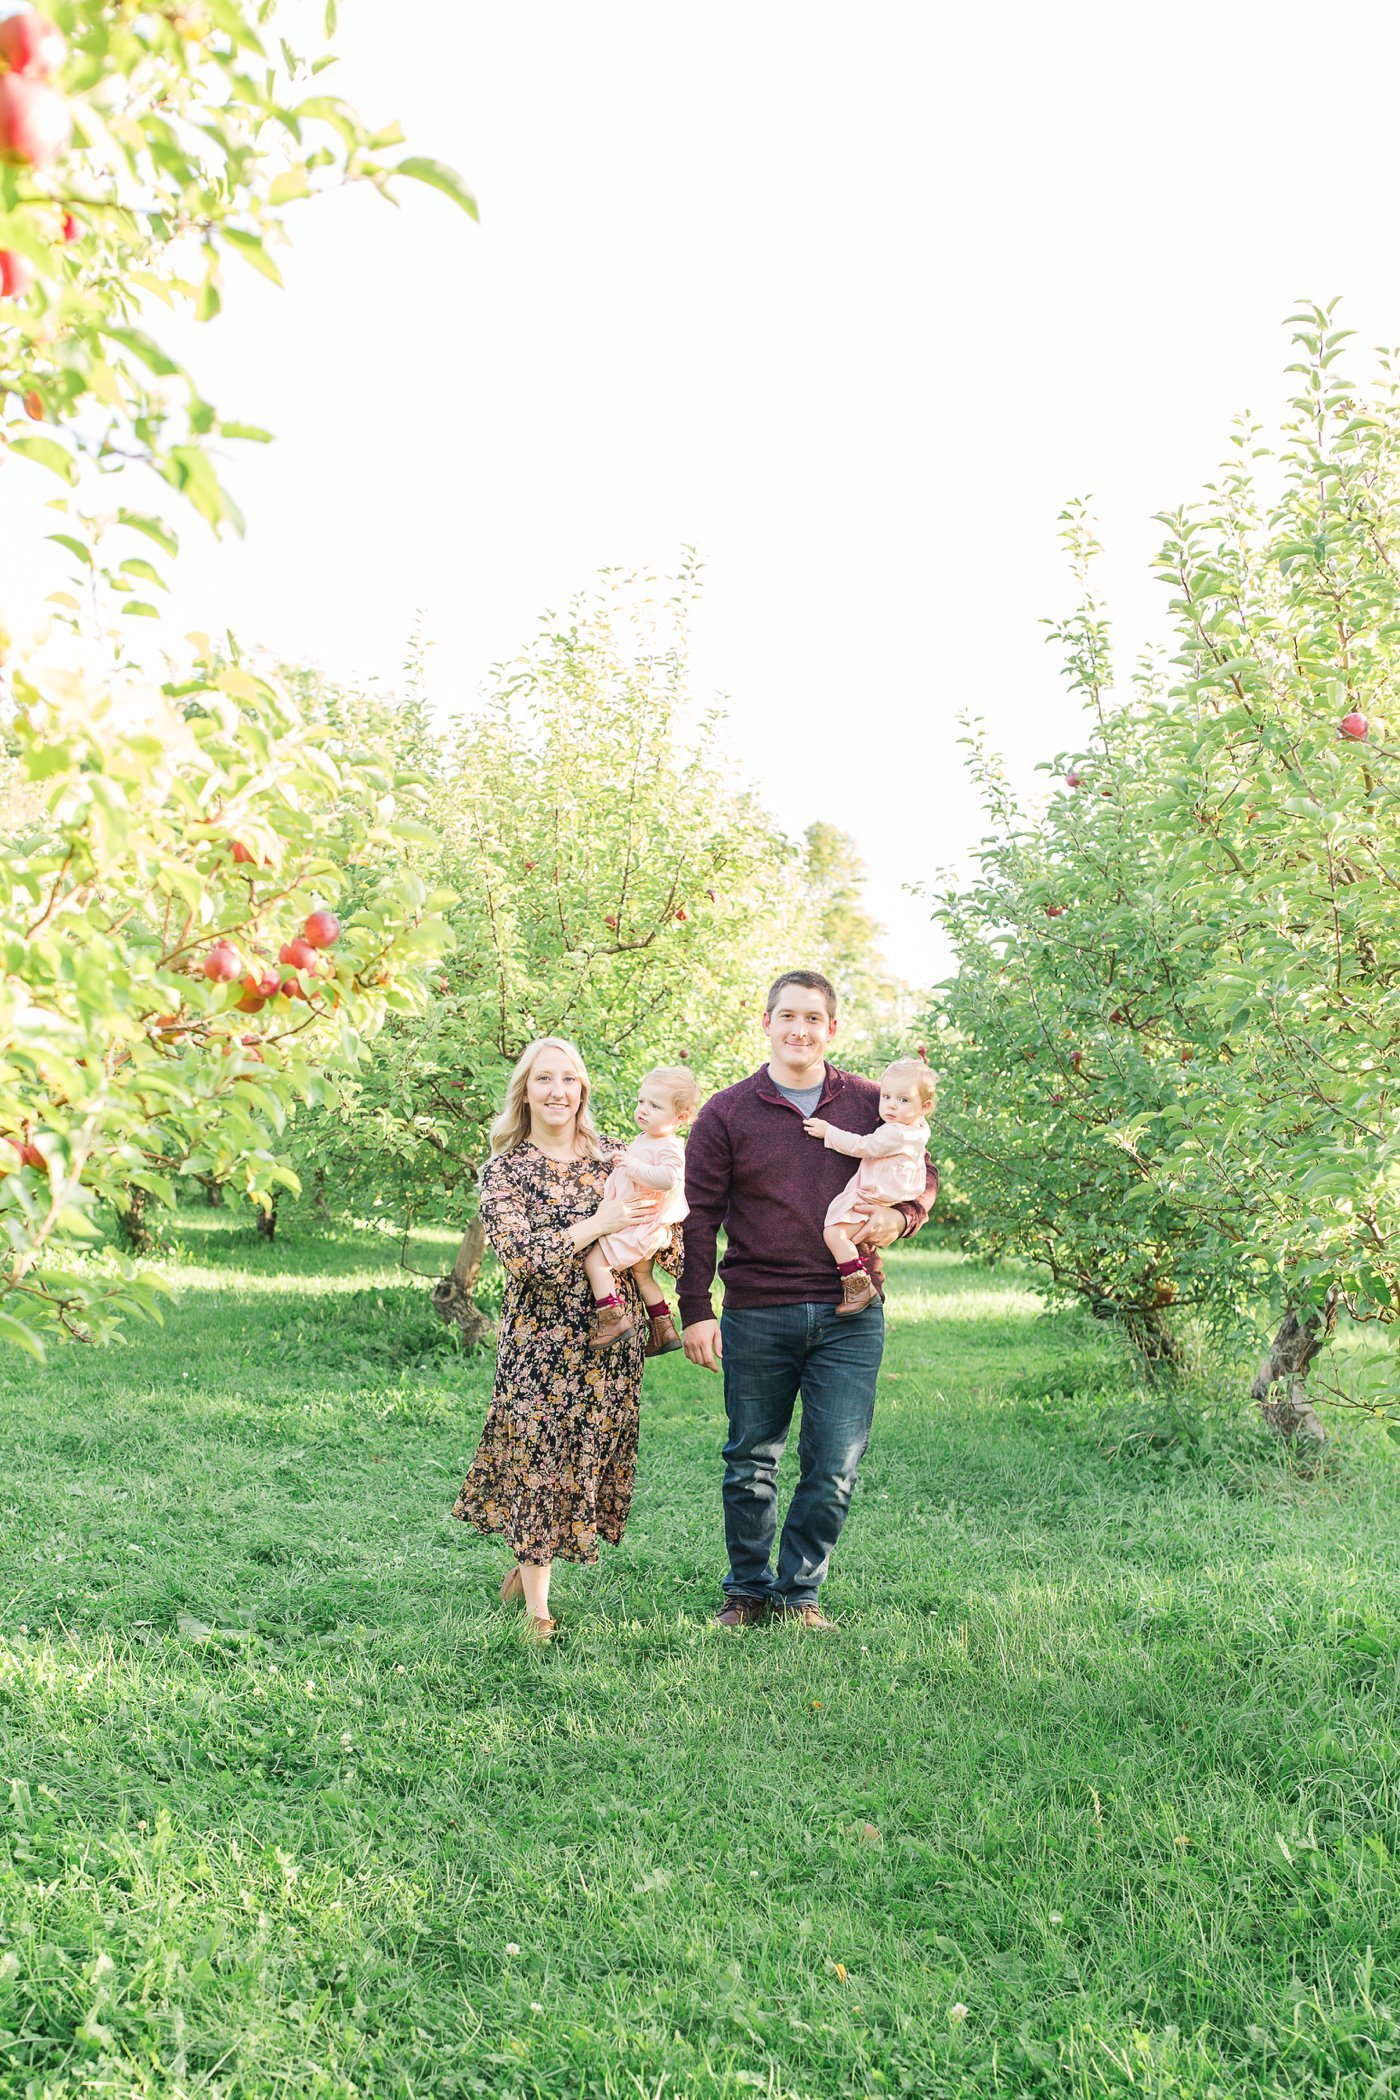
column 849, row 1268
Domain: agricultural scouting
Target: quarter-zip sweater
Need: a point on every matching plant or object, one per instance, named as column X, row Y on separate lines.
column 751, row 1168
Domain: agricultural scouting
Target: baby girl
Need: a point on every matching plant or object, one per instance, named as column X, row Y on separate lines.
column 653, row 1163
column 892, row 1170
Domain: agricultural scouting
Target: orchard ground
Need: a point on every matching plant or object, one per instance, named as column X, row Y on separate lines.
column 1094, row 1791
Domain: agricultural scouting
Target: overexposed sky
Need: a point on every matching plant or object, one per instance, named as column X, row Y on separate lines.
column 850, row 299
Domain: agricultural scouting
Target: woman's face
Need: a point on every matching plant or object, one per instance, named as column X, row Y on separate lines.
column 554, row 1091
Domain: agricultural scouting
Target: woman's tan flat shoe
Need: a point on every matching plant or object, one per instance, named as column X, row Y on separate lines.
column 539, row 1629
column 513, row 1589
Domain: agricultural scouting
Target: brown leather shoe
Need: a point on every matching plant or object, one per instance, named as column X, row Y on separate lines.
column 662, row 1337
column 610, row 1324
column 856, row 1293
column 806, row 1616
column 512, row 1588
column 743, row 1611
column 539, row 1629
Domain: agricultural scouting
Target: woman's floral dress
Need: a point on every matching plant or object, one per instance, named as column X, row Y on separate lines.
column 558, row 1457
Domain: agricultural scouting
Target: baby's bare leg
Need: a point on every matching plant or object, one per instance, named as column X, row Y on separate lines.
column 646, row 1282
column 841, row 1247
column 599, row 1275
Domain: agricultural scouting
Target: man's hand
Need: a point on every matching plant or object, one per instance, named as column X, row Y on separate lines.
column 880, row 1229
column 702, row 1344
column 816, row 1127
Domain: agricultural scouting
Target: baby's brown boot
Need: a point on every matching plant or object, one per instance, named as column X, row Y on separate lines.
column 856, row 1293
column 610, row 1324
column 661, row 1335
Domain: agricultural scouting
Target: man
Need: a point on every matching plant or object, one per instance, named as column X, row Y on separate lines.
column 751, row 1168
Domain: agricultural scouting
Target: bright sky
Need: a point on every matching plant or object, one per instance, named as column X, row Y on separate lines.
column 850, row 299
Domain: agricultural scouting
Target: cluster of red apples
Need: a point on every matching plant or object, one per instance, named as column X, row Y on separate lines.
column 35, row 121
column 305, row 952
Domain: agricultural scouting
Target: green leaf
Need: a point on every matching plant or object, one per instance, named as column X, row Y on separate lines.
column 154, row 528
column 148, row 350
column 47, row 452
column 1392, row 1429
column 21, row 1337
column 250, row 247
column 439, row 176
column 291, row 183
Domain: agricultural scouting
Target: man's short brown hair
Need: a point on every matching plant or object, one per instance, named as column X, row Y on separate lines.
column 811, row 981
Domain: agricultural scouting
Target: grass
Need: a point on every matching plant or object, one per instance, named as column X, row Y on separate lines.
column 1094, row 1791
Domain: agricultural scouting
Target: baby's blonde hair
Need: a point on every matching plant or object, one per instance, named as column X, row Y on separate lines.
column 679, row 1082
column 915, row 1070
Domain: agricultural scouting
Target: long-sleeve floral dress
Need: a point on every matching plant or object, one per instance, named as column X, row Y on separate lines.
column 557, row 1459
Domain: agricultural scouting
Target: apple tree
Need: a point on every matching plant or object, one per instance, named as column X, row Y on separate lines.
column 1217, row 887
column 615, row 884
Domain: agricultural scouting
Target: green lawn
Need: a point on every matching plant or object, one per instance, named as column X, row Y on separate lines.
column 1093, row 1792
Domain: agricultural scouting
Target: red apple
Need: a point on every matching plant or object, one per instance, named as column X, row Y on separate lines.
column 712, row 897
column 34, row 406
column 241, row 853
column 611, row 922
column 1187, row 1056
column 322, row 929
column 1165, row 1293
column 30, row 44
column 31, row 1156
column 530, row 866
column 1074, row 780
column 684, row 1056
column 1354, row 727
column 299, row 953
column 1076, row 1058
column 1117, row 1018
column 35, row 125
column 1054, row 911
column 16, row 274
column 1057, row 1100
column 221, row 965
column 681, row 912
column 71, row 228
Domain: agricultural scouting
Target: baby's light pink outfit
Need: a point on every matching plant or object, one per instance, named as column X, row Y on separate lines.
column 663, row 1163
column 892, row 1168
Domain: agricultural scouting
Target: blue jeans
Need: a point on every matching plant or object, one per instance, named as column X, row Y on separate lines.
column 770, row 1353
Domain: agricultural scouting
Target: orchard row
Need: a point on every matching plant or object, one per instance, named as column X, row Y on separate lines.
column 1173, row 1043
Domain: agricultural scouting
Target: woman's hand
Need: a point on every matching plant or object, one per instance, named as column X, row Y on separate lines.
column 816, row 1127
column 615, row 1213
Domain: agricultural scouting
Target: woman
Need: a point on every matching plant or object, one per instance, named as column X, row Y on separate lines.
column 557, row 1458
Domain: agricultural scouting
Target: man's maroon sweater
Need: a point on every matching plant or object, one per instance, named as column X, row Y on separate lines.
column 751, row 1168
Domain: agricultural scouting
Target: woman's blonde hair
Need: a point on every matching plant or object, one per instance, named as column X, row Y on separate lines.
column 914, row 1069
column 512, row 1125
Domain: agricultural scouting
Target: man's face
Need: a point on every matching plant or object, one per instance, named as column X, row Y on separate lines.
column 799, row 1027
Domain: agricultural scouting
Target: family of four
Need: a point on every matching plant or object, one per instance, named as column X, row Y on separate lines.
column 581, row 1223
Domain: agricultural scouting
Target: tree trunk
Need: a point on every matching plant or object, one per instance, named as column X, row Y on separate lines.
column 1295, row 1345
column 1147, row 1330
column 452, row 1294
column 267, row 1216
column 1153, row 1339
column 319, row 1201
column 139, row 1235
column 213, row 1191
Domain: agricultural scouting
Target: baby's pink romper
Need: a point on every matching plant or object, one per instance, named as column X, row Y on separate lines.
column 662, row 1164
column 892, row 1169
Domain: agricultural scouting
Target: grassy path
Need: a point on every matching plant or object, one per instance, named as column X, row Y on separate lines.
column 1094, row 1792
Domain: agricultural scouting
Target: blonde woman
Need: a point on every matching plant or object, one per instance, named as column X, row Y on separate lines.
column 557, row 1458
